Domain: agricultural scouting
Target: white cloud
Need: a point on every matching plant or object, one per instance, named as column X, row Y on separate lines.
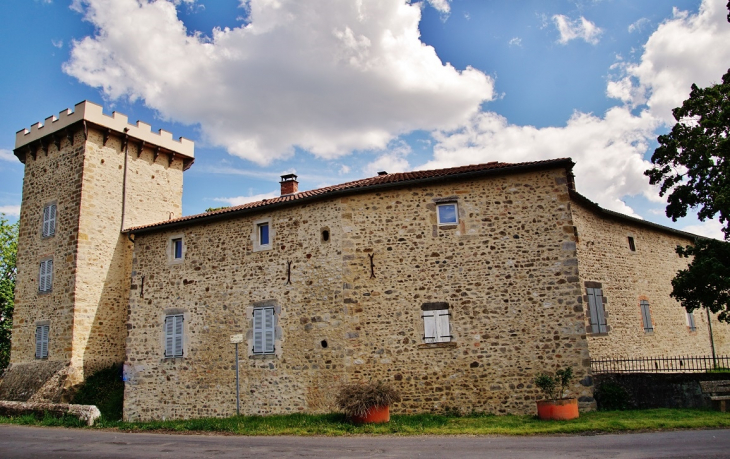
column 580, row 28
column 239, row 200
column 516, row 41
column 344, row 169
column 708, row 228
column 683, row 50
column 639, row 25
column 441, row 5
column 7, row 155
column 10, row 210
column 394, row 160
column 329, row 76
column 57, row 43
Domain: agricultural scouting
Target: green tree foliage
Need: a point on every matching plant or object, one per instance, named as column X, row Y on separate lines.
column 692, row 167
column 8, row 252
column 706, row 281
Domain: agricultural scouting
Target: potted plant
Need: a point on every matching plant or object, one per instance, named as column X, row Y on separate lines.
column 556, row 406
column 367, row 402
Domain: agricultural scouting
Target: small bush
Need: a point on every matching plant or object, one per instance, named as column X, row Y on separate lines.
column 611, row 396
column 105, row 389
column 549, row 384
column 359, row 398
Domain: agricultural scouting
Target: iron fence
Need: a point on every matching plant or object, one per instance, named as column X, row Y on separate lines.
column 688, row 364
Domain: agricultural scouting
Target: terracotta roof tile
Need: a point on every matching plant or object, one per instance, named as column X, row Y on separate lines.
column 377, row 181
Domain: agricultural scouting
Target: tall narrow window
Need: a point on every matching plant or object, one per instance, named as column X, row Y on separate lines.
column 264, row 330
column 49, row 220
column 174, row 335
column 691, row 321
column 436, row 326
column 45, row 276
column 177, row 248
column 263, row 230
column 596, row 310
column 632, row 245
column 41, row 341
column 646, row 316
column 447, row 214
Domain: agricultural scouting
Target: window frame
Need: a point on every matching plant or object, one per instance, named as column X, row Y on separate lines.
column 40, row 351
column 632, row 243
column 646, row 316
column 174, row 336
column 50, row 218
column 172, row 246
column 441, row 205
column 45, row 276
column 691, row 323
column 256, row 234
column 263, row 333
column 436, row 319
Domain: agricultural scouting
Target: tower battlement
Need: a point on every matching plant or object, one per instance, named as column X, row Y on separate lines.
column 92, row 113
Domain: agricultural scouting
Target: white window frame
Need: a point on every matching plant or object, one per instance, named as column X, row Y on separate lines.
column 436, row 324
column 456, row 213
column 596, row 310
column 256, row 235
column 174, row 328
column 171, row 254
column 646, row 316
column 41, row 341
column 50, row 216
column 264, row 330
column 45, row 276
column 691, row 323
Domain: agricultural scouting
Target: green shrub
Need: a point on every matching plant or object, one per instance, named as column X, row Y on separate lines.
column 549, row 384
column 105, row 389
column 611, row 396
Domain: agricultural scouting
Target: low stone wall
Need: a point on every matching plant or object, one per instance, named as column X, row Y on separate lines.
column 88, row 413
column 655, row 390
column 35, row 381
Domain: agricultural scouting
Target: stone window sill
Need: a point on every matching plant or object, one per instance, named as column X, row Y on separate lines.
column 598, row 335
column 449, row 344
column 262, row 356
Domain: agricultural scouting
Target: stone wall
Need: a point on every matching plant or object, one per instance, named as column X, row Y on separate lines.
column 508, row 272
column 627, row 277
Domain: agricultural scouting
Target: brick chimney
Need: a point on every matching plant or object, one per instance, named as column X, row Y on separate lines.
column 289, row 184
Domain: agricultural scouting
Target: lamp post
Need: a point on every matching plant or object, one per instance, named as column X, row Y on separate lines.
column 236, row 339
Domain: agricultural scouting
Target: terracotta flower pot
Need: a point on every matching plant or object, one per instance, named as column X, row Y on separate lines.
column 559, row 410
column 376, row 415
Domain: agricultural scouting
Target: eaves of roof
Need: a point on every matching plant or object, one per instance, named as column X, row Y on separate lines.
column 380, row 182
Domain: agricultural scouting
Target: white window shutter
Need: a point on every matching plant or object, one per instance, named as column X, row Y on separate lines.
column 39, row 342
column 443, row 327
column 430, row 335
column 49, row 275
column 178, row 336
column 258, row 331
column 44, row 341
column 169, row 336
column 269, row 330
column 42, row 277
column 52, row 220
column 46, row 217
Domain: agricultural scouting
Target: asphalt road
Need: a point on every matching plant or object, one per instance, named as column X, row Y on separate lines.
column 33, row 442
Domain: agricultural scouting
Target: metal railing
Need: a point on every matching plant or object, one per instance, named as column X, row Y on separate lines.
column 688, row 364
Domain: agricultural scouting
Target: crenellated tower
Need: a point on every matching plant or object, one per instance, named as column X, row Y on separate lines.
column 88, row 176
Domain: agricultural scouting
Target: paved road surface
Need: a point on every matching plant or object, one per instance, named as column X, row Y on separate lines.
column 32, row 442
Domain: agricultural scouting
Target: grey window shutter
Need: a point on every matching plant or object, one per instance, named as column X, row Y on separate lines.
column 178, row 336
column 269, row 330
column 46, row 222
column 44, row 341
column 42, row 277
column 691, row 320
column 52, row 220
column 646, row 316
column 49, row 275
column 443, row 327
column 596, row 311
column 258, row 331
column 39, row 342
column 169, row 336
column 430, row 335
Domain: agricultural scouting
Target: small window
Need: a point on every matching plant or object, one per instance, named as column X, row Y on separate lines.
column 325, row 235
column 436, row 326
column 263, row 230
column 45, row 276
column 646, row 316
column 264, row 330
column 596, row 311
column 41, row 341
column 49, row 220
column 447, row 214
column 691, row 321
column 632, row 245
column 174, row 336
column 177, row 248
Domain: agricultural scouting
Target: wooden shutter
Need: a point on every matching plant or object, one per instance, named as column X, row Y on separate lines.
column 258, row 331
column 51, row 220
column 46, row 218
column 44, row 275
column 596, row 311
column 39, row 342
column 178, row 336
column 269, row 330
column 646, row 315
column 443, row 327
column 691, row 321
column 44, row 341
column 430, row 334
column 49, row 275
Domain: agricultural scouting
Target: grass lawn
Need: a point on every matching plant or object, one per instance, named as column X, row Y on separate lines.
column 422, row 424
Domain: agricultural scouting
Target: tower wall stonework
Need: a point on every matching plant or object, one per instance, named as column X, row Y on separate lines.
column 509, row 277
column 627, row 277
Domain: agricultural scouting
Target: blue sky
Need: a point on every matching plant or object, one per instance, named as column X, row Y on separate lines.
column 336, row 90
